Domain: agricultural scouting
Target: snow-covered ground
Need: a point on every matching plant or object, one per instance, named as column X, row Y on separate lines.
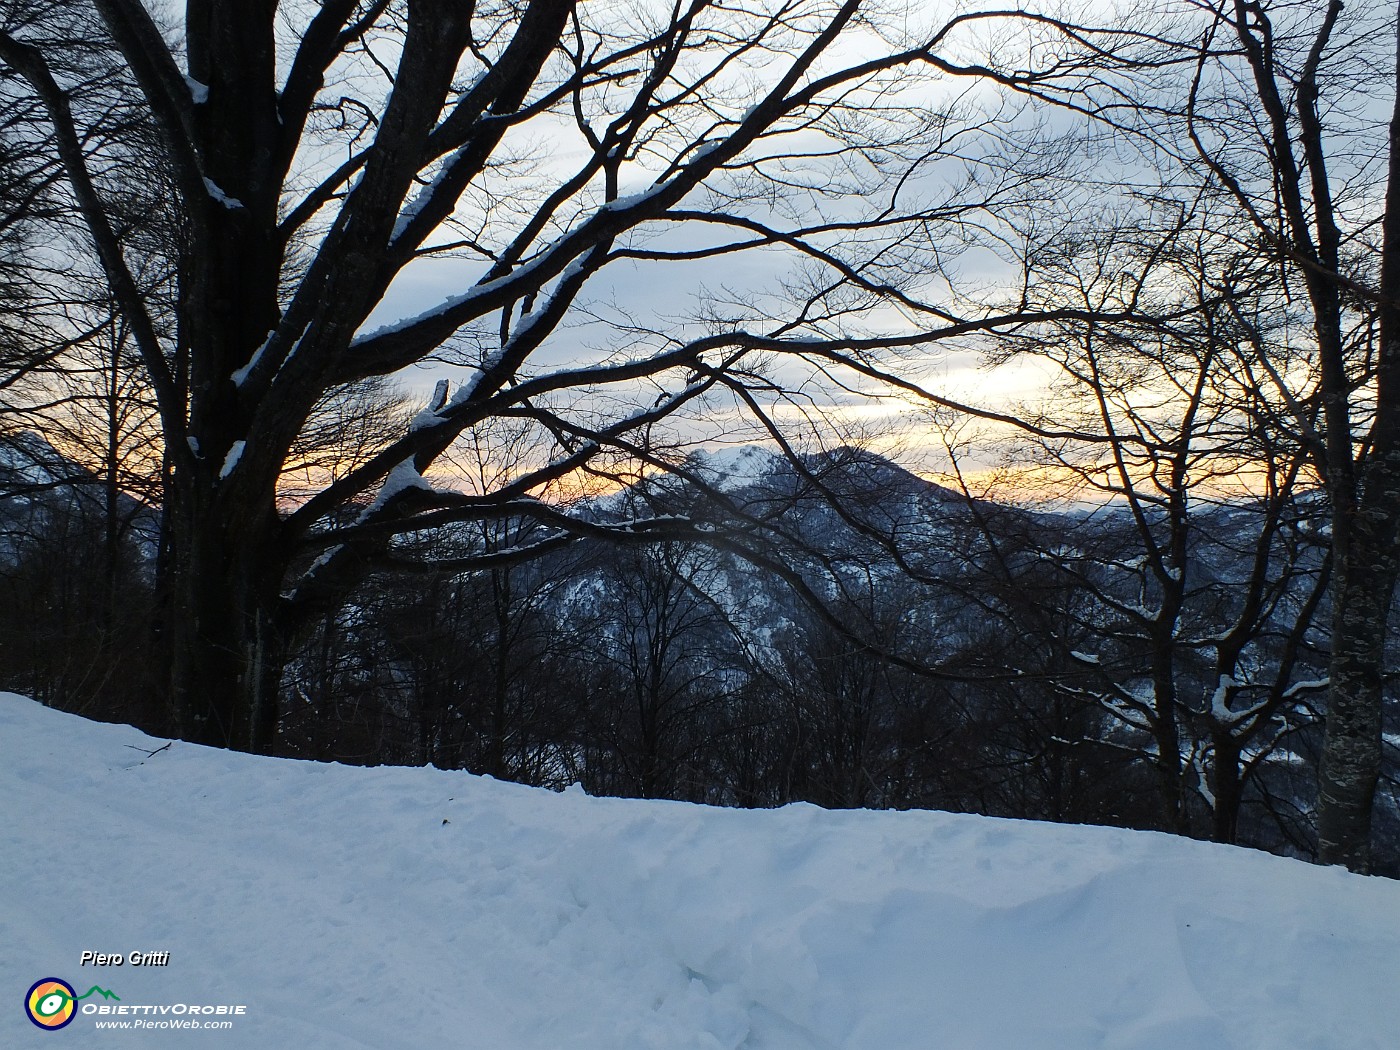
column 415, row 908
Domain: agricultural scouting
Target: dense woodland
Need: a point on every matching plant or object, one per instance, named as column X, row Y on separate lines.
column 242, row 240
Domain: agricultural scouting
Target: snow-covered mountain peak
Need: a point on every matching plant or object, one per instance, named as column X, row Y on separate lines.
column 736, row 466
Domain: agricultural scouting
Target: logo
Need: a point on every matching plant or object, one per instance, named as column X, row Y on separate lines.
column 51, row 1003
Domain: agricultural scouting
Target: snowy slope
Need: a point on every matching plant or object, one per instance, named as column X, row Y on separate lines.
column 416, row 908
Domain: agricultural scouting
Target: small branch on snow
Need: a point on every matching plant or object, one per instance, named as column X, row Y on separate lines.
column 148, row 754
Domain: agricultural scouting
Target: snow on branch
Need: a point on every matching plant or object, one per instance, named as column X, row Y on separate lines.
column 217, row 194
column 235, row 453
column 403, row 477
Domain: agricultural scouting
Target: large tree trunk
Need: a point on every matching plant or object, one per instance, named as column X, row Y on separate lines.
column 226, row 641
column 225, row 569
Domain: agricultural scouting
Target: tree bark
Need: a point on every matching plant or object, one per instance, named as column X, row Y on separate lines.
column 1351, row 757
column 225, row 629
column 1226, row 787
column 1367, row 554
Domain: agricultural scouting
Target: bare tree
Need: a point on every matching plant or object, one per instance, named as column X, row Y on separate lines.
column 1335, row 215
column 1281, row 116
column 1274, row 115
column 322, row 155
column 1205, row 580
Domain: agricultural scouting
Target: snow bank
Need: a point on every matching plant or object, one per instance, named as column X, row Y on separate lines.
column 416, row 908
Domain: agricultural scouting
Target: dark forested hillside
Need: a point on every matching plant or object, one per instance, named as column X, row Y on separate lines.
column 900, row 645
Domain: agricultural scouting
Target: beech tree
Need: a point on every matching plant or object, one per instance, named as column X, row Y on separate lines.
column 322, row 154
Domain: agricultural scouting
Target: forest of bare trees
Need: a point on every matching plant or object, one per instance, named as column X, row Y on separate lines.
column 358, row 362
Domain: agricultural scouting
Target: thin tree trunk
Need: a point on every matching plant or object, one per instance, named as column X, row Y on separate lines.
column 1351, row 757
column 1365, row 550
column 1227, row 787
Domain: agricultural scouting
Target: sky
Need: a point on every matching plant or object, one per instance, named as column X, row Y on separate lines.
column 659, row 295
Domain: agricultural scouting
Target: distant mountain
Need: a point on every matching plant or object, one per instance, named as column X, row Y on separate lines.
column 37, row 481
column 28, row 463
